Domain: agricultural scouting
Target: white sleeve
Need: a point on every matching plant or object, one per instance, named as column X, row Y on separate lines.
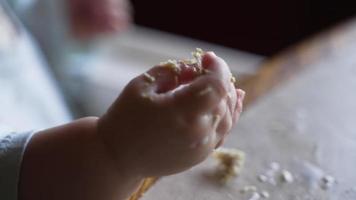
column 12, row 147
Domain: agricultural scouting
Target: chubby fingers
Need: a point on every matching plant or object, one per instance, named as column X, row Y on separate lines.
column 230, row 118
column 189, row 91
column 205, row 92
column 209, row 98
column 183, row 84
column 159, row 83
column 212, row 95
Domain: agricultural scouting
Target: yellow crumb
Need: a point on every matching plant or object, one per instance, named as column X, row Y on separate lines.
column 231, row 162
column 195, row 62
column 149, row 78
column 206, row 91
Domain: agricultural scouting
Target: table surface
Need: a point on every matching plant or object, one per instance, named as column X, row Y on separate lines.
column 301, row 109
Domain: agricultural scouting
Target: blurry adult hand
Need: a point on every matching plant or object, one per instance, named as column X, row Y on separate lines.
column 88, row 18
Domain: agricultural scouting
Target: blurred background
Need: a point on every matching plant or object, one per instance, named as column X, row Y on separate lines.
column 60, row 60
column 260, row 27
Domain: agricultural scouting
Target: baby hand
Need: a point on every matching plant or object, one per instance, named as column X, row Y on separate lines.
column 168, row 120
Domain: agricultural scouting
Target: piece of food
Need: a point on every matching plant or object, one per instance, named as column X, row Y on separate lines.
column 287, row 176
column 248, row 188
column 265, row 194
column 149, row 78
column 231, row 162
column 327, row 182
column 262, row 178
column 255, row 196
column 195, row 63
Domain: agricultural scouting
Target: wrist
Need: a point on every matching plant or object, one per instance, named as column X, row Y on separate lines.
column 71, row 162
column 122, row 173
column 121, row 152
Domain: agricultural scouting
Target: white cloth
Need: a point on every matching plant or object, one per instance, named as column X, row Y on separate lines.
column 12, row 147
column 29, row 96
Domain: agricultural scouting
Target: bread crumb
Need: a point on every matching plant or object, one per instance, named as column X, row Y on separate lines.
column 262, row 178
column 198, row 55
column 265, row 194
column 231, row 162
column 205, row 91
column 233, row 79
column 172, row 64
column 287, row 176
column 149, row 78
column 327, row 182
column 195, row 62
column 248, row 188
column 147, row 96
column 255, row 196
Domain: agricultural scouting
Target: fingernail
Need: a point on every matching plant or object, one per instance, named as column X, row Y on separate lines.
column 241, row 94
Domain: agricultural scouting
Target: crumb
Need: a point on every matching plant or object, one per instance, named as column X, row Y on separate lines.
column 233, row 79
column 197, row 55
column 327, row 182
column 149, row 78
column 262, row 178
column 230, row 163
column 249, row 188
column 147, row 96
column 195, row 62
column 265, row 194
column 287, row 176
column 205, row 91
column 255, row 196
column 169, row 63
column 188, row 61
column 172, row 64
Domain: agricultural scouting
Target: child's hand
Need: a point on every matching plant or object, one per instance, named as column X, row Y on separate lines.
column 165, row 122
column 91, row 17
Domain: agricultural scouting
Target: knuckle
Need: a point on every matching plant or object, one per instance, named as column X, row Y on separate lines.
column 225, row 126
column 218, row 85
column 221, row 108
column 194, row 124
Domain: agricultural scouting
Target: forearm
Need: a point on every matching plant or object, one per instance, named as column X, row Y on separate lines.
column 71, row 162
